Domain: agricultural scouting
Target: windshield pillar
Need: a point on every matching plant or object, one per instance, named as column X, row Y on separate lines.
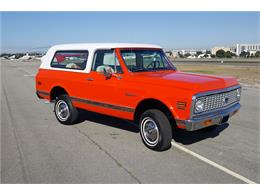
column 121, row 61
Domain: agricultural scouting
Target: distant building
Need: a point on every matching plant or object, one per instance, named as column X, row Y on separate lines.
column 204, row 53
column 175, row 53
column 251, row 48
column 215, row 49
column 192, row 52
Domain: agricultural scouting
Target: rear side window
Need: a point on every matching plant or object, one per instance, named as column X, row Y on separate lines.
column 76, row 60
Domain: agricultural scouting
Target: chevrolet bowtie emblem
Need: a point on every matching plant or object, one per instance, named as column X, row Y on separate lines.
column 225, row 100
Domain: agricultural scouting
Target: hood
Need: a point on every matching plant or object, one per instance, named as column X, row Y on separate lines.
column 196, row 82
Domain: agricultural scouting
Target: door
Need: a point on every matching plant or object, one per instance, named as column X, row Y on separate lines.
column 100, row 92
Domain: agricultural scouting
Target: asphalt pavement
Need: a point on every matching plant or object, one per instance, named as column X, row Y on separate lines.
column 36, row 148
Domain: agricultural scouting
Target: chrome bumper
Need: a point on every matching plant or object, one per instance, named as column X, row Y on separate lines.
column 215, row 118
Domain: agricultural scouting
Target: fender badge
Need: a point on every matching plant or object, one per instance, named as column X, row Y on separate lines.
column 130, row 94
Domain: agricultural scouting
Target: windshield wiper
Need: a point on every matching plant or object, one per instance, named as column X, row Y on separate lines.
column 153, row 70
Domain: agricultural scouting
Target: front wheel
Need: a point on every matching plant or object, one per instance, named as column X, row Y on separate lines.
column 155, row 130
column 64, row 111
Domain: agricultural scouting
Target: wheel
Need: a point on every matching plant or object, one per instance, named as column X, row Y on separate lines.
column 64, row 111
column 155, row 130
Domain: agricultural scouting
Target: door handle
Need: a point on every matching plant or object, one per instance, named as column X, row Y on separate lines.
column 90, row 79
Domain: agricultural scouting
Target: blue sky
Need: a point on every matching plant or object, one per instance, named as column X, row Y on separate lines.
column 23, row 31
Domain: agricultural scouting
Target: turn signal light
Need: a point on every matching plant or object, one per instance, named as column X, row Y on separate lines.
column 181, row 105
column 207, row 122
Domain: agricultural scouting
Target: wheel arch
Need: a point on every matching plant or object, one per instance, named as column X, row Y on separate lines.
column 56, row 91
column 153, row 103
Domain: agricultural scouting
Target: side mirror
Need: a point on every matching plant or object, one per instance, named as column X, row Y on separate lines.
column 107, row 73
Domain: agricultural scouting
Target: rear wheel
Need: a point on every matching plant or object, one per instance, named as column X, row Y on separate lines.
column 64, row 111
column 155, row 130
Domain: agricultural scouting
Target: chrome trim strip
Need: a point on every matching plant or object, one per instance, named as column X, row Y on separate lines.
column 212, row 92
column 213, row 111
column 42, row 92
column 217, row 91
column 101, row 104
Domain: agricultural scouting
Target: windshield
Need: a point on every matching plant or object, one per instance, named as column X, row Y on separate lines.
column 143, row 60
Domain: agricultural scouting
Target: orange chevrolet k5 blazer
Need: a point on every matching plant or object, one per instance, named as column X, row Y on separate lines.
column 135, row 82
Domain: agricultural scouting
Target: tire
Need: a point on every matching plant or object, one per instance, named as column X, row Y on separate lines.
column 64, row 111
column 155, row 130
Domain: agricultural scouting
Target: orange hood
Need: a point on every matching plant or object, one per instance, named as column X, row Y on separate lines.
column 195, row 82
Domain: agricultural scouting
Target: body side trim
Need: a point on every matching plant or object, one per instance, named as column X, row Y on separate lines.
column 43, row 92
column 105, row 105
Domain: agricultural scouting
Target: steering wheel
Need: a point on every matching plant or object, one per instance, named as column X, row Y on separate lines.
column 153, row 64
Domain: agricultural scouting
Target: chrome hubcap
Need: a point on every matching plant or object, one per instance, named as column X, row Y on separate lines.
column 150, row 131
column 62, row 110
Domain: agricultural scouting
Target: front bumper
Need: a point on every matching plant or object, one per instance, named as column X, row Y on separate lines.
column 215, row 118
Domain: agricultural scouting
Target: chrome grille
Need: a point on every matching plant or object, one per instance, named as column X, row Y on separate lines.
column 219, row 100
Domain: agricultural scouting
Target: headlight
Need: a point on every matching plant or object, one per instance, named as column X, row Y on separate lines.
column 199, row 106
column 238, row 93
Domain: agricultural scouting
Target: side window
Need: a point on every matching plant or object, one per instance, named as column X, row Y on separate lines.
column 106, row 59
column 70, row 60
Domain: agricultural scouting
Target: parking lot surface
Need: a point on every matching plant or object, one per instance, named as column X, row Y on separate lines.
column 36, row 148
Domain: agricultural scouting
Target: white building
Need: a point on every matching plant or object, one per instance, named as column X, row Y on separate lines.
column 193, row 52
column 251, row 48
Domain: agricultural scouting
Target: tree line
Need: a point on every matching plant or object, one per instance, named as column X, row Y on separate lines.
column 228, row 54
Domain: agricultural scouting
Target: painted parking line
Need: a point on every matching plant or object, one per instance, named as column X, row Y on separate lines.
column 202, row 158
column 29, row 75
